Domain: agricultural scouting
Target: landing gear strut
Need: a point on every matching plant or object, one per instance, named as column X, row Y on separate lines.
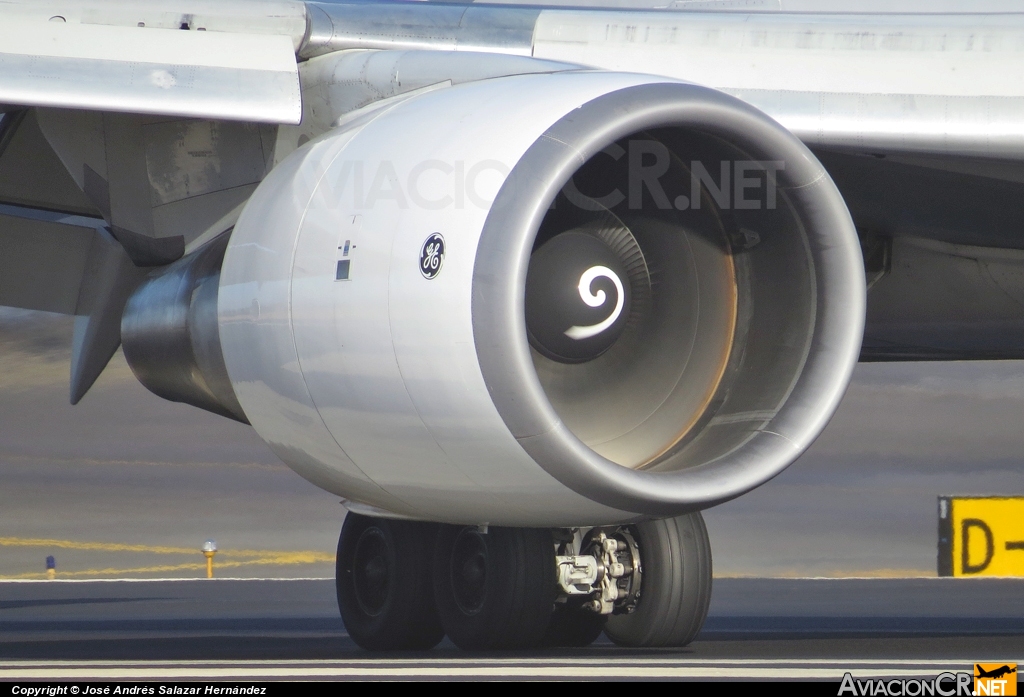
column 607, row 570
column 403, row 585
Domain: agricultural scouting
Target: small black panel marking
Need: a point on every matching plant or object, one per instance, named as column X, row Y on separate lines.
column 342, row 272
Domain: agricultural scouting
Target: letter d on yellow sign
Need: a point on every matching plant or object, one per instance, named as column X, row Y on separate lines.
column 981, row 536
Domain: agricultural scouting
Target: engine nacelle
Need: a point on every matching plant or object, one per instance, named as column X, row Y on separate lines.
column 544, row 300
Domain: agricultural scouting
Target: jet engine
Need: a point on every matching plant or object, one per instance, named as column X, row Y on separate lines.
column 543, row 300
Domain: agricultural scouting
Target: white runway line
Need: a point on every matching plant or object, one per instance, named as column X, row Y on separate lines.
column 620, row 667
column 512, row 660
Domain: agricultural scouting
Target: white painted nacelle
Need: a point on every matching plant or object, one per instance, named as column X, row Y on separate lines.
column 377, row 330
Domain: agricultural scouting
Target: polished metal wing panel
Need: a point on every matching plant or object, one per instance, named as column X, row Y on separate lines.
column 143, row 70
column 936, row 83
column 271, row 17
column 462, row 27
column 923, row 83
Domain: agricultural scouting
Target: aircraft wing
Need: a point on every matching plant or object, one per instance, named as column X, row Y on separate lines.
column 162, row 71
column 167, row 168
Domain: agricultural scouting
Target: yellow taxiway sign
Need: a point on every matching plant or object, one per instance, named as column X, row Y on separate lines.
column 981, row 536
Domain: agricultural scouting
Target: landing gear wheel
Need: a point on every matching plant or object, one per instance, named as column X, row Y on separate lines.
column 676, row 590
column 383, row 582
column 573, row 626
column 494, row 590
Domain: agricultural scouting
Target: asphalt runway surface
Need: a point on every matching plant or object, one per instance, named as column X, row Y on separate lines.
column 290, row 629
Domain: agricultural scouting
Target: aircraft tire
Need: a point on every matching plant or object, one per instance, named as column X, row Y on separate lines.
column 494, row 589
column 383, row 582
column 676, row 585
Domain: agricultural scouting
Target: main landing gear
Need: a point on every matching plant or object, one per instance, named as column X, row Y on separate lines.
column 405, row 585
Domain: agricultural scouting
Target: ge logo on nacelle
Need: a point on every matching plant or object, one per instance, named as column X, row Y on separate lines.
column 432, row 256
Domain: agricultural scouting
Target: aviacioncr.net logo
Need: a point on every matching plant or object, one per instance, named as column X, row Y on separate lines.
column 943, row 685
column 995, row 679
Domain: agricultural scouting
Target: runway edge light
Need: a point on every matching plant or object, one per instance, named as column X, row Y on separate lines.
column 209, row 549
column 981, row 536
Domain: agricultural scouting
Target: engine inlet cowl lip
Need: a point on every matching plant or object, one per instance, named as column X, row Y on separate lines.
column 834, row 304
